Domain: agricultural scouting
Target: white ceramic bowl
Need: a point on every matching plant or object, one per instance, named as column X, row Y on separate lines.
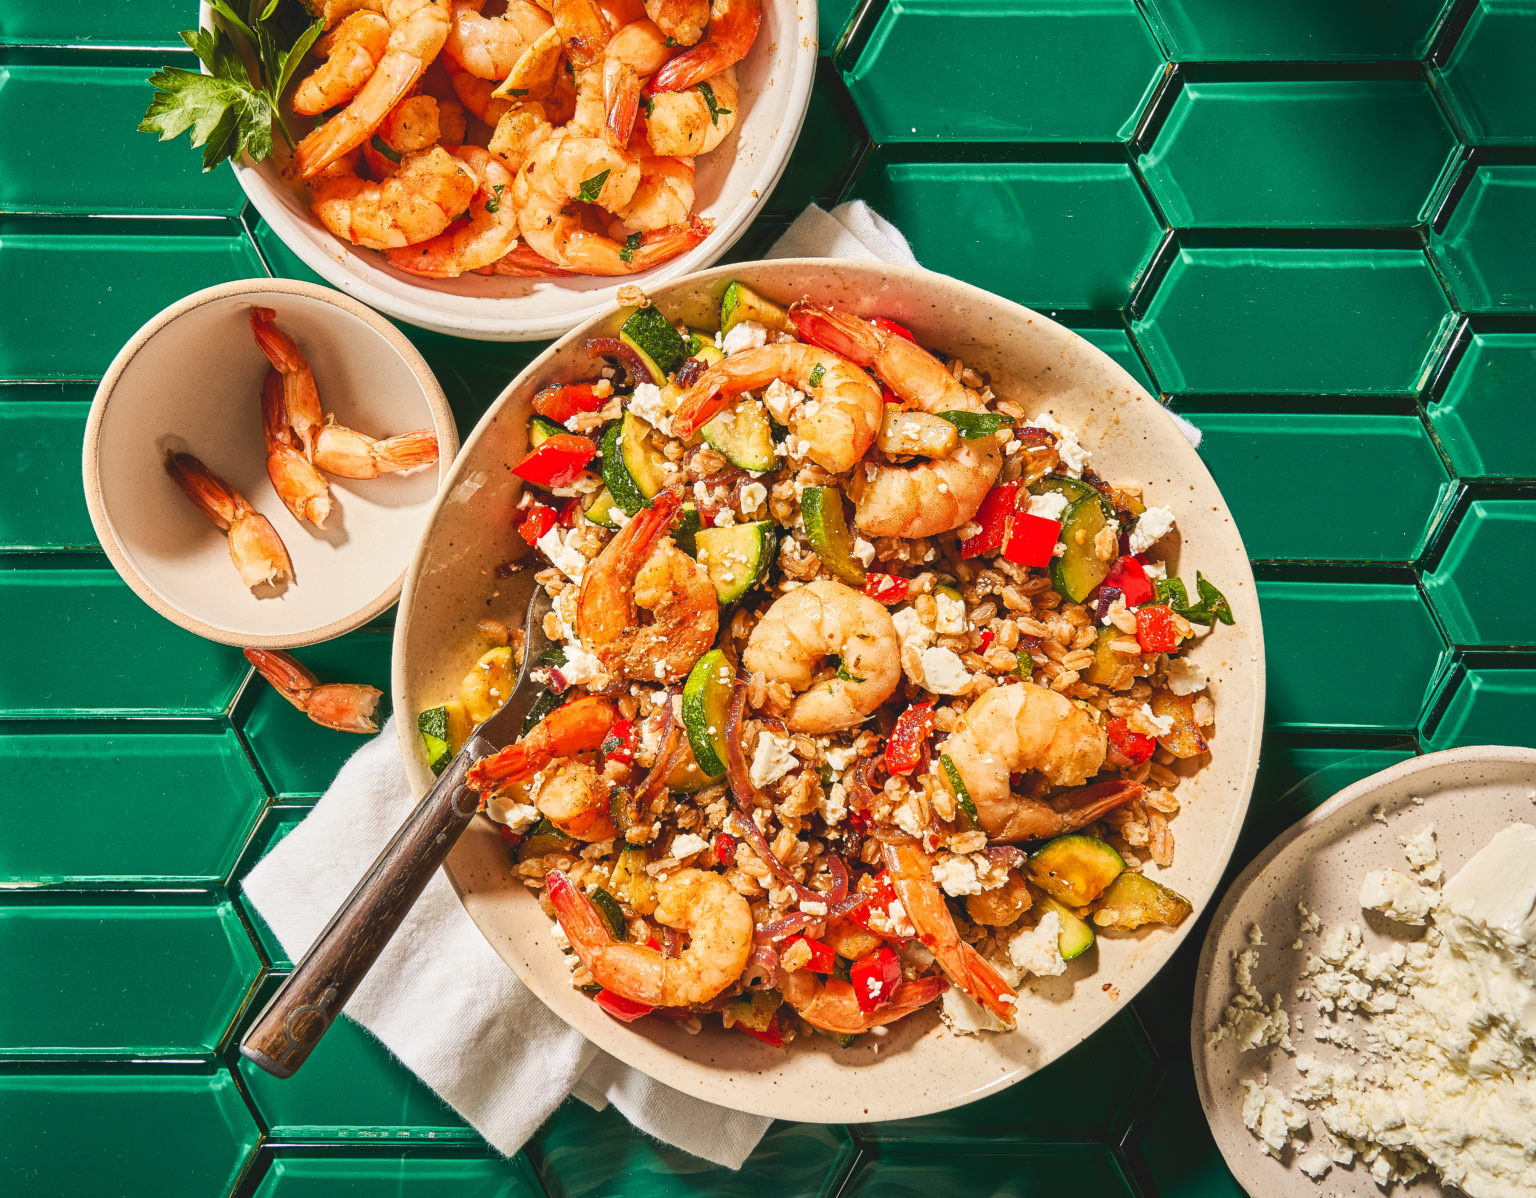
column 732, row 185
column 190, row 380
column 919, row 1067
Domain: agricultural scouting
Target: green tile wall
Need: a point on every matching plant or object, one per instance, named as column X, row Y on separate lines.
column 1307, row 226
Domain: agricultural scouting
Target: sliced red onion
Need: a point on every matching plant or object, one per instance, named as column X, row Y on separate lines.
column 777, row 929
column 612, row 347
column 847, row 906
column 666, row 748
column 1106, row 600
column 839, row 872
column 556, row 682
column 1008, row 855
column 762, row 966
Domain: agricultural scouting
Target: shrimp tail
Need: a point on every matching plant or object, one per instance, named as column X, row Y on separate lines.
column 522, row 261
column 733, row 28
column 855, row 339
column 583, row 925
column 1089, row 803
column 298, row 484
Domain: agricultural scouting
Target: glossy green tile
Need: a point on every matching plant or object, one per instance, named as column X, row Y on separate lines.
column 79, row 642
column 1487, row 706
column 1172, row 1147
column 1488, row 249
column 830, row 142
column 1077, row 234
column 1477, row 584
column 1373, row 482
column 133, row 172
column 142, row 1135
column 1297, row 153
column 1380, row 633
column 1305, row 30
column 40, row 455
column 1486, row 80
column 397, row 1177
column 89, row 287
column 140, row 978
column 1118, row 345
column 298, row 756
column 582, row 1153
column 918, row 1171
column 155, row 806
column 1296, row 321
column 832, row 20
column 1025, row 62
column 1294, row 779
column 277, row 821
column 1067, row 1100
column 94, row 23
column 1492, row 393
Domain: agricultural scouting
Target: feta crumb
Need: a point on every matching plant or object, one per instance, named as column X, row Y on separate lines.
column 647, row 404
column 781, row 399
column 1315, row 1165
column 773, row 757
column 840, row 757
column 1071, row 452
column 753, row 496
column 951, row 614
column 1037, row 950
column 943, row 672
column 1396, row 895
column 746, row 335
column 506, row 809
column 580, row 666
column 833, row 805
column 864, row 551
column 910, row 628
column 1185, row 677
column 568, row 561
column 1153, row 525
column 1161, row 725
column 1049, row 506
column 687, row 845
column 1154, row 570
column 812, row 907
column 1271, row 1116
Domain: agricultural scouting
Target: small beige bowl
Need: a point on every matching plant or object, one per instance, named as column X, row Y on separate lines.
column 190, row 380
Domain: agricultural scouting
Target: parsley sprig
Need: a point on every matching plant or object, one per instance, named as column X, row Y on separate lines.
column 975, row 424
column 1212, row 607
column 228, row 111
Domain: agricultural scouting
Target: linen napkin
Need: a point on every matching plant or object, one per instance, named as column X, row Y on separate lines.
column 439, row 997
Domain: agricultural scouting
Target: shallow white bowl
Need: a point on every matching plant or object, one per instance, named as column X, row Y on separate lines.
column 918, row 1067
column 190, row 380
column 732, row 185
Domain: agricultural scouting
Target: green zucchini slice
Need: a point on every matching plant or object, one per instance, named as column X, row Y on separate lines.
column 1075, row 869
column 632, row 470
column 741, row 303
column 660, row 346
column 736, row 556
column 1079, row 571
column 743, row 437
column 821, row 508
column 706, row 696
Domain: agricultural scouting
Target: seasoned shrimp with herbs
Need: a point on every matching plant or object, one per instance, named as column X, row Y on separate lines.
column 866, row 686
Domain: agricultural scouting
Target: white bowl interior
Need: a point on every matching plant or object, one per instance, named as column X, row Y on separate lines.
column 194, row 386
column 732, row 185
column 919, row 1067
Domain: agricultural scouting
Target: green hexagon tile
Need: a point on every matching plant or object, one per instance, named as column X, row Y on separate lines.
column 1306, row 226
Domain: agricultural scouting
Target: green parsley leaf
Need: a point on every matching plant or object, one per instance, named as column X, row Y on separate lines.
column 631, row 244
column 842, row 672
column 818, row 372
column 593, row 187
column 975, row 424
column 646, row 105
column 1212, row 607
column 494, row 203
column 383, row 147
column 715, row 111
column 1171, row 591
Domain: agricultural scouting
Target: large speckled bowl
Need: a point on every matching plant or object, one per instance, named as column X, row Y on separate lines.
column 919, row 1067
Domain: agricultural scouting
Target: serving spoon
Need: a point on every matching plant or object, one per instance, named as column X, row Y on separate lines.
column 306, row 1004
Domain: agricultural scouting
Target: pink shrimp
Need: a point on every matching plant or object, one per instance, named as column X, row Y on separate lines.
column 344, row 706
column 294, row 477
column 733, row 26
column 254, row 546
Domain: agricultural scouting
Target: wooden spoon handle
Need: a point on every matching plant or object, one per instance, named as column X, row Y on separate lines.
column 315, row 992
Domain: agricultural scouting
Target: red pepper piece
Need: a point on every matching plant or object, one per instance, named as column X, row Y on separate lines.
column 881, row 895
column 986, row 641
column 626, row 1009
column 511, row 837
column 1131, row 580
column 773, row 1035
column 875, row 978
column 619, row 744
column 557, row 462
column 889, row 326
column 821, row 954
column 886, row 588
column 539, row 520
column 725, row 849
column 1133, row 745
column 1031, row 540
column 994, row 517
column 1154, row 630
column 888, row 396
column 560, row 401
column 909, row 738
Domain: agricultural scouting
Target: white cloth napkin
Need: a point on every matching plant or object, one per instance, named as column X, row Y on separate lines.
column 439, row 997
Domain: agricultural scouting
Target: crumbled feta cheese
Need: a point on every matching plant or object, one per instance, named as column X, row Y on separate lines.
column 1271, row 1116
column 1315, row 1165
column 956, row 875
column 508, row 809
column 1161, row 725
column 1397, row 896
column 1151, row 527
column 1037, row 950
column 1185, row 677
column 908, row 818
column 951, row 614
column 687, row 845
column 1154, row 570
column 864, row 551
column 773, row 758
column 746, row 335
column 580, row 666
column 840, row 757
column 781, row 399
column 833, row 805
column 648, row 404
column 943, row 672
column 910, row 628
column 1049, row 505
column 796, row 446
column 965, row 1016
column 1248, row 1019
column 568, row 561
column 753, row 496
column 812, row 907
column 1073, row 456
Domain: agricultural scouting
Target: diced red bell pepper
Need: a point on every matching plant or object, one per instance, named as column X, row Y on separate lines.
column 1031, row 540
column 888, row 326
column 558, row 461
column 774, row 1034
column 1135, row 747
column 560, row 401
column 881, row 895
column 1128, row 577
column 909, row 738
column 725, row 849
column 985, row 642
column 888, row 396
column 1154, row 630
column 626, row 1009
column 569, row 511
column 994, row 517
column 822, row 955
column 886, row 588
column 619, row 744
column 875, row 978
column 538, row 521
column 512, row 838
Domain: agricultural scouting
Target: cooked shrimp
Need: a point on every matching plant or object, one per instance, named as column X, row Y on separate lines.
column 297, row 483
column 475, row 93
column 1022, row 728
column 584, row 30
column 350, row 454
column 911, row 871
column 681, row 20
column 417, row 30
column 344, row 706
column 633, row 53
column 927, row 497
column 830, row 1003
column 733, row 26
column 573, row 727
column 641, row 568
column 664, row 197
column 490, row 231
column 521, row 130
column 416, row 123
column 489, row 47
column 352, row 51
column 537, row 70
column 577, row 800
column 685, row 123
column 254, row 546
column 416, row 203
column 820, row 620
column 838, row 423
column 301, row 398
column 717, row 920
column 523, row 262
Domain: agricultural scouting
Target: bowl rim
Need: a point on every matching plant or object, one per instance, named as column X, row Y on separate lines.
column 95, row 500
column 1243, row 736
column 332, row 265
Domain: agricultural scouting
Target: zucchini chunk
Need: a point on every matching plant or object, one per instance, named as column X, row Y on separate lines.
column 736, row 556
column 741, row 303
column 821, row 508
column 908, row 433
column 1184, row 739
column 962, row 795
column 540, row 430
column 443, row 729
column 742, row 436
column 1110, row 668
column 660, row 346
column 544, row 838
column 1073, row 488
column 706, row 695
column 1078, row 572
column 631, row 884
column 632, row 470
column 1075, row 869
column 701, row 345
column 1135, row 899
column 1076, row 936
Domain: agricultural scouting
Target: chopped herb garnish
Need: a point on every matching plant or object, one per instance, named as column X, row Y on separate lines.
column 593, row 187
column 670, row 43
column 842, row 672
column 518, row 91
column 975, row 424
column 494, row 203
column 1212, row 607
column 383, row 147
column 646, row 105
column 715, row 111
column 817, row 374
column 631, row 244
column 553, row 656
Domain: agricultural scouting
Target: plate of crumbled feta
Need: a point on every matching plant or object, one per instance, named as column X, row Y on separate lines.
column 1365, row 1013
